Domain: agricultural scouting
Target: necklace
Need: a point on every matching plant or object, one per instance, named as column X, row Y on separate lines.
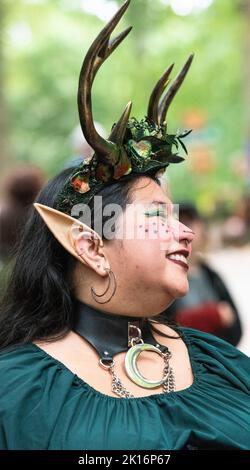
column 110, row 334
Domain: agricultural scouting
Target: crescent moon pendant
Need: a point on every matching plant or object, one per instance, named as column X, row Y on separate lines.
column 132, row 369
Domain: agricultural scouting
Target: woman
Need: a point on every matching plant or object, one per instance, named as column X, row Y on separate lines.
column 84, row 304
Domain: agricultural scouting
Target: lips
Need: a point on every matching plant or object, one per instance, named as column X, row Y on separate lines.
column 179, row 257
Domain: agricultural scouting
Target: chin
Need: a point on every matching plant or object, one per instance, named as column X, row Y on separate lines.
column 179, row 290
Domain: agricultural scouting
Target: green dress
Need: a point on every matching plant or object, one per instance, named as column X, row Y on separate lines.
column 43, row 405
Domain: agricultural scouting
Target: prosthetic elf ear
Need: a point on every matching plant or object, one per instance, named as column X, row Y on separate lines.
column 66, row 229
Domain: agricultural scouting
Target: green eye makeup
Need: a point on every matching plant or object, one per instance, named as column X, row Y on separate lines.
column 155, row 213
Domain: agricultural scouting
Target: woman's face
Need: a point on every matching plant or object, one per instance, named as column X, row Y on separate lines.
column 147, row 233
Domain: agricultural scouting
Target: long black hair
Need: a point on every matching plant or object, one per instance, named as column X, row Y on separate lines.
column 39, row 301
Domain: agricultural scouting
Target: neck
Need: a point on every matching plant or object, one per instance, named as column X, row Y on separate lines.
column 109, row 334
column 125, row 307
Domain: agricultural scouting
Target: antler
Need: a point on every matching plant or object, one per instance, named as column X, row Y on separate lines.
column 157, row 111
column 156, row 94
column 119, row 129
column 98, row 52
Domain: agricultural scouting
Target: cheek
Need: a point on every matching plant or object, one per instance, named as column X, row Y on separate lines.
column 157, row 232
column 149, row 248
column 146, row 246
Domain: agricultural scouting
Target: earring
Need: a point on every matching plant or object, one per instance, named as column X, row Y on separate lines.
column 112, row 279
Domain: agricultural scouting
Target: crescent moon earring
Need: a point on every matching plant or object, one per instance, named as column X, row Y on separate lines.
column 111, row 280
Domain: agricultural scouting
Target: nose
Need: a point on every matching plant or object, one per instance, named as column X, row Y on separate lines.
column 182, row 233
column 185, row 234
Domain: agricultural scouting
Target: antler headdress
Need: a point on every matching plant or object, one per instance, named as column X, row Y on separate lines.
column 133, row 146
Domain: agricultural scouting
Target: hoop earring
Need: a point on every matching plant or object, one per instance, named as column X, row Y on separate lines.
column 112, row 278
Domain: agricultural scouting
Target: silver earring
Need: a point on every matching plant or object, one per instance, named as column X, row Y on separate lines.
column 112, row 279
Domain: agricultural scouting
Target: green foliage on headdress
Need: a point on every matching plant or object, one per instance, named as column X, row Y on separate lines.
column 146, row 149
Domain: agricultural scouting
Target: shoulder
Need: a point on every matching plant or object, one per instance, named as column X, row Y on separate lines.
column 16, row 359
column 28, row 366
column 208, row 340
column 219, row 356
column 33, row 392
column 30, row 376
column 21, row 373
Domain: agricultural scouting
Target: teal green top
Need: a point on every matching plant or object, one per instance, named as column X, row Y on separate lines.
column 43, row 405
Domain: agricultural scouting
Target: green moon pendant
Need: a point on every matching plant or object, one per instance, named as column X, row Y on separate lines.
column 132, row 369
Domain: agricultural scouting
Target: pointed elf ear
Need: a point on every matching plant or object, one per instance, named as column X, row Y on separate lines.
column 66, row 229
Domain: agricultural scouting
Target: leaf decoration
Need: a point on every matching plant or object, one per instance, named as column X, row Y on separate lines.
column 183, row 146
column 174, row 158
column 185, row 134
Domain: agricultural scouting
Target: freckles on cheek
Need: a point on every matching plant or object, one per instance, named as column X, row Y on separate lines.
column 154, row 241
column 156, row 231
column 164, row 233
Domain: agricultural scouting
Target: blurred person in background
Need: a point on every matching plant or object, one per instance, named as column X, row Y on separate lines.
column 236, row 229
column 20, row 189
column 208, row 306
column 244, row 210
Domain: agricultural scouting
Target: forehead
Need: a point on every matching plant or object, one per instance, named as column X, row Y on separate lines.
column 147, row 191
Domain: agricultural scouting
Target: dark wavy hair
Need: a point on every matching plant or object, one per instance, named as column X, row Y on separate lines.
column 39, row 301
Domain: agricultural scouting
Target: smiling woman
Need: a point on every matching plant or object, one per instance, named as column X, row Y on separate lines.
column 87, row 360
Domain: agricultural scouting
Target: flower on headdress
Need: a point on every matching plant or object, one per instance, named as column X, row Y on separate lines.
column 80, row 183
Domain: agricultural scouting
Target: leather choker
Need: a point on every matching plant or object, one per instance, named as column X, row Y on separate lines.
column 111, row 334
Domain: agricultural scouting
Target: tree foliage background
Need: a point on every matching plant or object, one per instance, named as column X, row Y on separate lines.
column 43, row 43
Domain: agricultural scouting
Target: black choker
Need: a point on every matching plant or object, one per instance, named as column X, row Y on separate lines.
column 111, row 334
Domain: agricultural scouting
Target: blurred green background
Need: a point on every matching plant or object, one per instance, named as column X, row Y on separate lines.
column 42, row 46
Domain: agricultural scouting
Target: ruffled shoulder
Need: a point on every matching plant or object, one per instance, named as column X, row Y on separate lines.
column 32, row 393
column 219, row 358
